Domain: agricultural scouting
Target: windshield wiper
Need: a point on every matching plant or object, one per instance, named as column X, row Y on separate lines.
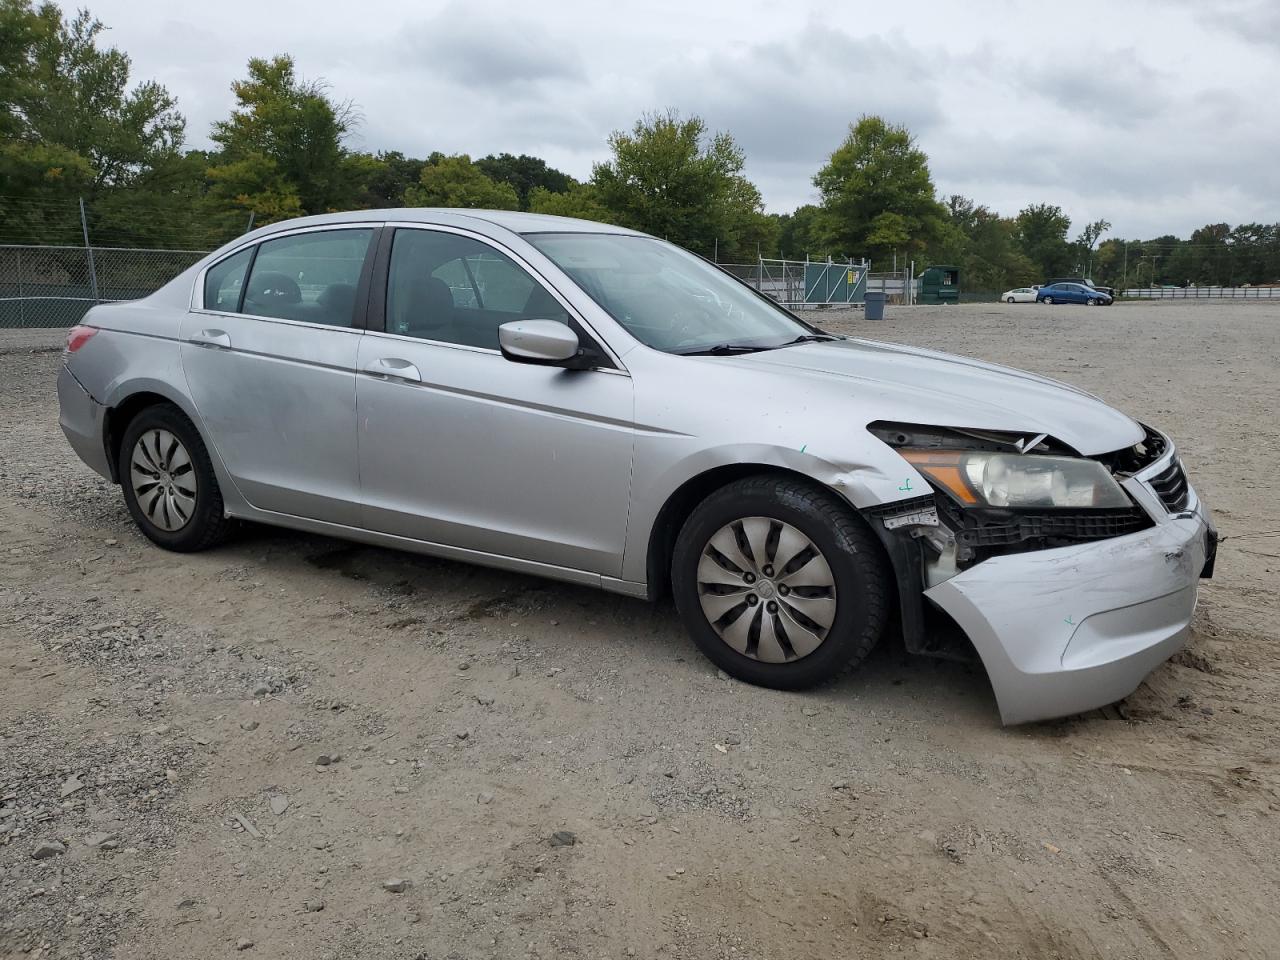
column 722, row 349
column 812, row 338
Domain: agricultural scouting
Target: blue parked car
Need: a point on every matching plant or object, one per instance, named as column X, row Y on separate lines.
column 1072, row 293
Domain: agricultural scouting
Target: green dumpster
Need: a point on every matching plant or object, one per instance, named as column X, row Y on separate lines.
column 940, row 284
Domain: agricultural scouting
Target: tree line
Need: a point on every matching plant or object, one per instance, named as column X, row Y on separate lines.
column 73, row 126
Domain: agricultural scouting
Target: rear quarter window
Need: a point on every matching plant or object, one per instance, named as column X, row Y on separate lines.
column 224, row 281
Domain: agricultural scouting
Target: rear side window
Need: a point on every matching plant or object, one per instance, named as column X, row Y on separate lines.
column 224, row 280
column 311, row 277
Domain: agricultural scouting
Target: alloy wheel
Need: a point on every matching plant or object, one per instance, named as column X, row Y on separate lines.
column 163, row 479
column 766, row 589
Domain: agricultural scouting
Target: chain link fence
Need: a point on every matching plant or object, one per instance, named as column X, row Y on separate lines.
column 54, row 286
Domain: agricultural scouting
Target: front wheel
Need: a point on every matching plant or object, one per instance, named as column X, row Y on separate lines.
column 779, row 583
column 1092, row 301
column 1009, row 300
column 169, row 485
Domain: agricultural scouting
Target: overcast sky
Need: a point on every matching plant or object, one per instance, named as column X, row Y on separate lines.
column 1158, row 116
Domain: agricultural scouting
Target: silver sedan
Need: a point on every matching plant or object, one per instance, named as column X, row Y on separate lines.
column 595, row 405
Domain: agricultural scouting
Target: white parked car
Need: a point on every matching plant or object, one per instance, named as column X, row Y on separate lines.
column 1019, row 295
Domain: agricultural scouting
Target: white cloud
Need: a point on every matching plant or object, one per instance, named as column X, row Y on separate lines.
column 1142, row 112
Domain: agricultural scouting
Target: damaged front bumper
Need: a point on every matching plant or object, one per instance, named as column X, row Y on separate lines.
column 1072, row 628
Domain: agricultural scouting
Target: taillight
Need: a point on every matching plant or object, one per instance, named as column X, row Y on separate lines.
column 78, row 336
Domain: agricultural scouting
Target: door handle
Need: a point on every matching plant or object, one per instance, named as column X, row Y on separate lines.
column 394, row 367
column 212, row 338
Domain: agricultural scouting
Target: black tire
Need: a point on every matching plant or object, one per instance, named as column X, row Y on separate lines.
column 1009, row 300
column 1092, row 301
column 863, row 585
column 207, row 525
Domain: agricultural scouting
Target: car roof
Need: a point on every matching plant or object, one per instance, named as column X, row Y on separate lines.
column 513, row 220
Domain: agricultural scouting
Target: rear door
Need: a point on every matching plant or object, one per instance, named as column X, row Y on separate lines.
column 462, row 447
column 270, row 355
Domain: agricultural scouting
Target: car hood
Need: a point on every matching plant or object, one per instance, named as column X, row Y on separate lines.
column 912, row 385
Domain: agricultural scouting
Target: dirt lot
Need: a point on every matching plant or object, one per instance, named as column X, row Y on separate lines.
column 242, row 750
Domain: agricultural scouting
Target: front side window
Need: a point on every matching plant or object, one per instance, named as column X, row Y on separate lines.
column 224, row 280
column 455, row 289
column 311, row 277
column 668, row 298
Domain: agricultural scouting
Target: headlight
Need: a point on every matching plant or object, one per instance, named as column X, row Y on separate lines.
column 978, row 478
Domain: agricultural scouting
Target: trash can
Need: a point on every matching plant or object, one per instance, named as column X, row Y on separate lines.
column 875, row 305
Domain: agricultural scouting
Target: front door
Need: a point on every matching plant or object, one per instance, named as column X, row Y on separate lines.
column 460, row 446
column 270, row 363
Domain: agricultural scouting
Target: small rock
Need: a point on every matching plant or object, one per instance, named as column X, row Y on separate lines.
column 260, row 689
column 97, row 839
column 563, row 838
column 462, row 734
column 249, row 725
column 111, row 541
column 411, row 918
column 1207, row 711
column 732, row 739
column 513, row 673
column 484, row 797
column 809, row 711
column 185, row 903
column 243, row 944
column 50, row 848
column 279, row 804
column 171, row 775
column 324, row 760
column 721, row 675
column 313, row 906
column 395, row 886
column 484, row 700
column 464, row 665
column 319, row 844
column 70, row 786
column 669, row 774
column 840, row 785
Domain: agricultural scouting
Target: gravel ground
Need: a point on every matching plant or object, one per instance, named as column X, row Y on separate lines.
column 293, row 747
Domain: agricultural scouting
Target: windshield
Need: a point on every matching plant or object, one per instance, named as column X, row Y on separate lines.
column 668, row 298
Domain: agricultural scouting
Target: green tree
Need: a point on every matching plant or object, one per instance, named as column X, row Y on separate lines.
column 282, row 147
column 457, row 182
column 1042, row 236
column 580, row 201
column 671, row 178
column 798, row 234
column 386, row 177
column 983, row 245
column 71, row 123
column 1086, row 242
column 525, row 174
column 877, row 193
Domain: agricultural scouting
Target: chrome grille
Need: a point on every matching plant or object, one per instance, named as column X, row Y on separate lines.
column 1171, row 487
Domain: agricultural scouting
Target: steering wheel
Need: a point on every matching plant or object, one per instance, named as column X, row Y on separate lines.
column 685, row 325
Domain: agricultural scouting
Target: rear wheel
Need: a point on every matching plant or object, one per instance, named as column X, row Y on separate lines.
column 779, row 583
column 1048, row 300
column 169, row 485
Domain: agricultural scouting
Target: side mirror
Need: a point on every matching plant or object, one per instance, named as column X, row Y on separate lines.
column 545, row 342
